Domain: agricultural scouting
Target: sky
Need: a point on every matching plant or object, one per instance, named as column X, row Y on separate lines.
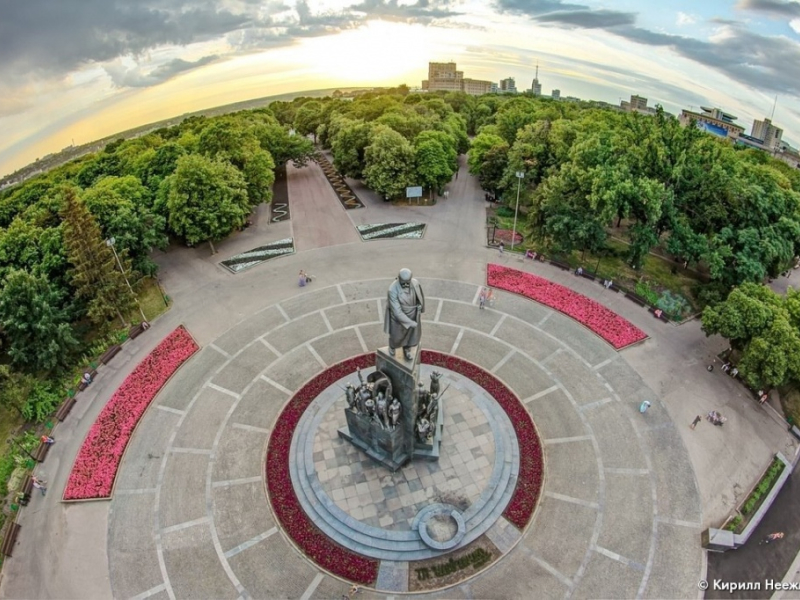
column 73, row 71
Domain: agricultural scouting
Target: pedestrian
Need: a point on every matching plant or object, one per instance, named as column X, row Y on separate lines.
column 579, row 271
column 302, row 279
column 40, row 484
column 46, row 439
column 763, row 398
column 502, row 247
column 697, row 419
column 87, row 378
column 772, row 537
column 734, row 372
column 482, row 298
column 644, row 406
column 726, row 367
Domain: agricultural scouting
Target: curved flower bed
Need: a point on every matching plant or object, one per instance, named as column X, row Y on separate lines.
column 607, row 324
column 92, row 475
column 318, row 546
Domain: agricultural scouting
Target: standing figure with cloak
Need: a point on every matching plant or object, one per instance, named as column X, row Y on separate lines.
column 403, row 318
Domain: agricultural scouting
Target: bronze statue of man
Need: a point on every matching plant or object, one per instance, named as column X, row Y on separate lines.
column 403, row 318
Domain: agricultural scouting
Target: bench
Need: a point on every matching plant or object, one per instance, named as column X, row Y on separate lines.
column 65, row 408
column 138, row 330
column 110, row 353
column 10, row 539
column 83, row 385
column 25, row 490
column 559, row 264
column 638, row 299
column 41, row 452
column 663, row 315
column 588, row 275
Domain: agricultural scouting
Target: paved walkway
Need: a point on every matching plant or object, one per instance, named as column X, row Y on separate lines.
column 682, row 480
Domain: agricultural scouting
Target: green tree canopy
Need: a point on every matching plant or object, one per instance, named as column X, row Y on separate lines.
column 389, row 168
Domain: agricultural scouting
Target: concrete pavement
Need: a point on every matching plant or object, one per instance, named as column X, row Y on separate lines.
column 63, row 549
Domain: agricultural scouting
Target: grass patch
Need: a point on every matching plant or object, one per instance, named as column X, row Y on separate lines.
column 790, row 402
column 151, row 299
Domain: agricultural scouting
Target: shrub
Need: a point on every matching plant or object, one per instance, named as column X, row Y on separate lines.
column 42, row 401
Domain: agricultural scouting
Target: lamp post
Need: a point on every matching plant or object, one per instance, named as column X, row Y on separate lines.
column 519, row 175
column 110, row 243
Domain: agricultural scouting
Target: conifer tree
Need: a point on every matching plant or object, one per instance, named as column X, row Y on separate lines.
column 94, row 272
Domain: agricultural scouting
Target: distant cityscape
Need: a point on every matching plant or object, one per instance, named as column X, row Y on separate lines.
column 764, row 135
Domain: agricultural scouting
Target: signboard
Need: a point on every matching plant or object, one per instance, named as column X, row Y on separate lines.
column 414, row 192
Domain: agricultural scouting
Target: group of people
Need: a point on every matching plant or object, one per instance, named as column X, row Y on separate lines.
column 715, row 418
column 726, row 368
column 533, row 255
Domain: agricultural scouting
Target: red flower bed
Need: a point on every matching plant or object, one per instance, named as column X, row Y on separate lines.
column 95, row 468
column 504, row 235
column 607, row 324
column 531, row 466
column 318, row 546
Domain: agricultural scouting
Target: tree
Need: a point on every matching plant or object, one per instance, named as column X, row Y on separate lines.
column 432, row 165
column 307, row 118
column 488, row 159
column 39, row 335
column 94, row 274
column 206, row 200
column 348, row 145
column 389, row 159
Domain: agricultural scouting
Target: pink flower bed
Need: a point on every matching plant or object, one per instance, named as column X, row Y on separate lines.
column 607, row 324
column 344, row 562
column 95, row 468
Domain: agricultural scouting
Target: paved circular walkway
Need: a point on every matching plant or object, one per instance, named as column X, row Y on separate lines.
column 620, row 514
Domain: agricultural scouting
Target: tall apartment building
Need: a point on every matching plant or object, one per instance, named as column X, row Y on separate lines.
column 555, row 94
column 767, row 133
column 446, row 77
column 637, row 104
column 508, row 86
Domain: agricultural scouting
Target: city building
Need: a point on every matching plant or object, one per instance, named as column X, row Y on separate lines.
column 446, row 77
column 536, row 87
column 769, row 135
column 508, row 86
column 637, row 104
column 555, row 94
column 713, row 121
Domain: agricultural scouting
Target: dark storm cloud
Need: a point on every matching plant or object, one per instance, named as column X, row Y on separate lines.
column 775, row 8
column 589, row 19
column 46, row 37
column 424, row 11
column 135, row 77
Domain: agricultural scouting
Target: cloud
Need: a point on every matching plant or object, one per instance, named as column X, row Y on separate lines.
column 535, row 7
column 775, row 8
column 795, row 25
column 686, row 19
column 124, row 76
column 589, row 19
column 423, row 11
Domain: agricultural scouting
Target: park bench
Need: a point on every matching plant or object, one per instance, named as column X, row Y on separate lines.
column 139, row 329
column 10, row 538
column 110, row 353
column 65, row 408
column 638, row 299
column 41, row 452
column 559, row 264
column 588, row 275
column 83, row 385
column 25, row 490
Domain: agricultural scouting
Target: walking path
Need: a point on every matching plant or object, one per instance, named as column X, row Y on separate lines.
column 626, row 494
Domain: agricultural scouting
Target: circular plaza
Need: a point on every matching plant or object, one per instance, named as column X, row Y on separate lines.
column 618, row 514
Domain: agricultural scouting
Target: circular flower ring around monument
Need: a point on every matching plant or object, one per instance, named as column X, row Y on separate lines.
column 339, row 560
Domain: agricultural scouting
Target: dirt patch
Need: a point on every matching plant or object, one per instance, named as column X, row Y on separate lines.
column 436, row 573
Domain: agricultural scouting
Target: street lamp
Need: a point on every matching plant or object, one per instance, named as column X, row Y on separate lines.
column 110, row 243
column 519, row 175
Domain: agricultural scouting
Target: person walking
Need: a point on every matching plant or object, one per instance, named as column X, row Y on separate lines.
column 502, row 248
column 697, row 419
column 40, row 484
column 644, row 406
column 482, row 298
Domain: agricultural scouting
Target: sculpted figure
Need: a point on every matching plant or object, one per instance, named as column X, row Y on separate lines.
column 423, row 398
column 423, row 429
column 403, row 318
column 433, row 409
column 435, row 377
column 381, row 409
column 369, row 407
column 394, row 412
column 350, row 396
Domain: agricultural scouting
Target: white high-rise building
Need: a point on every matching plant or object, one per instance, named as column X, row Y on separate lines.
column 508, row 86
column 536, row 87
column 767, row 133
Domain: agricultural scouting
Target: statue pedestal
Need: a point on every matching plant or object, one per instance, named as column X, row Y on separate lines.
column 386, row 446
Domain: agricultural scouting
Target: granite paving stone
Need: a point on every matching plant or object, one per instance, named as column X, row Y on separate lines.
column 677, row 567
column 450, row 290
column 583, row 384
column 627, row 516
column 469, row 315
column 524, row 376
column 526, row 338
column 535, row 583
column 338, row 346
column 239, row 372
column 202, row 422
column 248, row 330
column 311, row 300
column 572, row 470
column 606, row 577
column 481, row 350
column 183, row 491
column 375, row 338
column 273, row 569
column 294, row 369
column 132, row 544
column 523, row 309
column 555, row 417
column 439, row 337
column 353, row 313
column 616, row 436
column 237, row 455
column 260, row 405
column 187, row 381
column 291, row 335
column 193, row 566
column 367, row 290
column 589, row 346
column 240, row 513
column 142, row 460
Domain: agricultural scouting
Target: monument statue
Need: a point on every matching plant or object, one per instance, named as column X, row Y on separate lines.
column 394, row 412
column 404, row 307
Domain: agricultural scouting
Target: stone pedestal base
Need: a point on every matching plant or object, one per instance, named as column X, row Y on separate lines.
column 386, row 446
